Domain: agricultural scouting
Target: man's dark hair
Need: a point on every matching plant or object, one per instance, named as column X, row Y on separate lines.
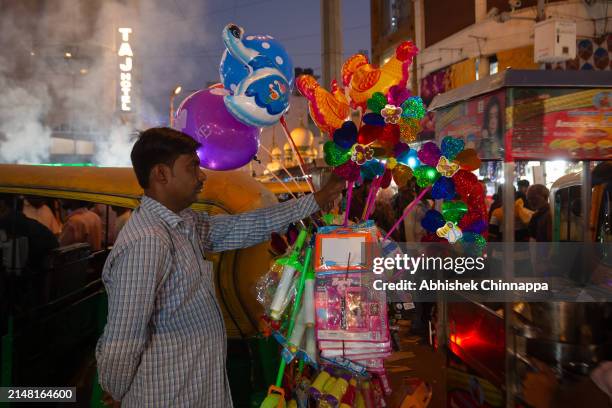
column 159, row 146
column 523, row 183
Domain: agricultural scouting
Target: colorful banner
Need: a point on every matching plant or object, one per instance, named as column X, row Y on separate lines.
column 545, row 123
column 478, row 121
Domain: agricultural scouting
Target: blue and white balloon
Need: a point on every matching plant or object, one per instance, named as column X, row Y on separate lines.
column 262, row 96
column 232, row 71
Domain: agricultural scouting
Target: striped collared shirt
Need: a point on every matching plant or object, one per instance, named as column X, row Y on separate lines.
column 164, row 344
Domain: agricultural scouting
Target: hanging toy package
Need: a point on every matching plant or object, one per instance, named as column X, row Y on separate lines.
column 276, row 289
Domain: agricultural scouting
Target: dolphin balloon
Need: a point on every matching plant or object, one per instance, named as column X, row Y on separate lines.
column 262, row 97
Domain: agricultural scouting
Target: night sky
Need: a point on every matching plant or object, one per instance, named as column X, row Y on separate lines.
column 295, row 23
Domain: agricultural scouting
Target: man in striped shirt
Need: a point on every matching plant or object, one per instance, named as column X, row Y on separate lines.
column 164, row 344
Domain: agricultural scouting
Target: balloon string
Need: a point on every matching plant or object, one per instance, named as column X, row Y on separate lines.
column 407, row 211
column 297, row 153
column 349, row 197
column 283, row 184
column 289, row 191
column 284, row 169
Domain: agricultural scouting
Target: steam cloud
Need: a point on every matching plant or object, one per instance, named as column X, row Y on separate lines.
column 41, row 89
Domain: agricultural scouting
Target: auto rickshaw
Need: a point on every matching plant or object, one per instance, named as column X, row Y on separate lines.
column 50, row 338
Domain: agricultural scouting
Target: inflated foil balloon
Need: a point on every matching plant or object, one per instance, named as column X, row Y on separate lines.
column 468, row 160
column 443, row 189
column 262, row 97
column 413, row 108
column 430, row 154
column 451, row 147
column 465, row 181
column 401, row 174
column 397, row 95
column 478, row 226
column 374, row 119
column 328, row 109
column 390, row 135
column 454, row 210
column 409, row 158
column 432, row 221
column 409, row 129
column 400, row 149
column 346, row 136
column 377, row 102
column 349, row 171
column 368, row 134
column 382, row 149
column 372, row 169
column 364, row 79
column 386, row 179
column 232, row 71
column 334, row 154
column 226, row 142
column 476, row 241
column 425, row 175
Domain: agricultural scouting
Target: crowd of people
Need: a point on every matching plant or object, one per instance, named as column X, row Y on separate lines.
column 533, row 221
column 50, row 223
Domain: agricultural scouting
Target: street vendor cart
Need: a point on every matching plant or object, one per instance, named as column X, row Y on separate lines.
column 520, row 122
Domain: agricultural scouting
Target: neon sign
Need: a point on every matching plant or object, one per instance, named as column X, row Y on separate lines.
column 125, row 69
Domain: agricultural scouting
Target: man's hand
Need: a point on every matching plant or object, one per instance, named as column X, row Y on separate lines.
column 108, row 401
column 330, row 192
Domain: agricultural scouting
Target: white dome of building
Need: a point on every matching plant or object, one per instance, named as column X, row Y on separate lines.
column 302, row 137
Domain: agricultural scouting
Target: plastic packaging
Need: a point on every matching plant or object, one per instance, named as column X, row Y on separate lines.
column 341, row 249
column 298, row 331
column 348, row 308
column 309, row 308
column 290, row 265
column 311, row 344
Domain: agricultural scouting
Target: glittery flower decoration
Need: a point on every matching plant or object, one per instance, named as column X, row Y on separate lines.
column 362, row 154
column 450, row 231
column 391, row 113
column 446, row 167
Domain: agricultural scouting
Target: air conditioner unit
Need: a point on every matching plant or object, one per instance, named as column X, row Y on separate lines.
column 554, row 41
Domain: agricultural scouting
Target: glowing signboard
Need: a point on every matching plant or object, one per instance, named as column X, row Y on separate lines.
column 125, row 69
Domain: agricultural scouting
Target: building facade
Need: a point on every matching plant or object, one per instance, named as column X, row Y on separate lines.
column 463, row 40
column 73, row 74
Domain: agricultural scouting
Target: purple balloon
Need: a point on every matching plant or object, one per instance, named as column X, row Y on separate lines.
column 226, row 143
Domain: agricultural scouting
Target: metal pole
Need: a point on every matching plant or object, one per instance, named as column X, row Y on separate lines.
column 331, row 40
column 171, row 118
column 508, row 267
column 585, row 192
